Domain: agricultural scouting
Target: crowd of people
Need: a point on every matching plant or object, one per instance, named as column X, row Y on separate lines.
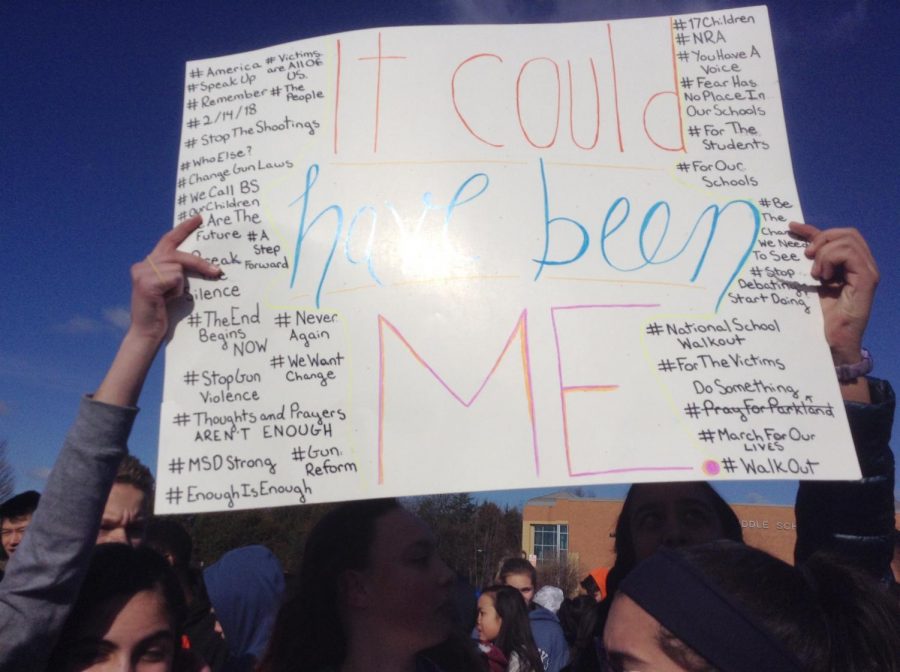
column 95, row 582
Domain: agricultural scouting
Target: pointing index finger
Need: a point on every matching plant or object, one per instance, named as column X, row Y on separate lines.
column 807, row 231
column 175, row 237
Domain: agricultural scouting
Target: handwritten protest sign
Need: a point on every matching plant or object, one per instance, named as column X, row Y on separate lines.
column 478, row 257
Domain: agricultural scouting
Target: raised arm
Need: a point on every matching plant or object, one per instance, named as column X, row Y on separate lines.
column 846, row 268
column 45, row 574
column 854, row 519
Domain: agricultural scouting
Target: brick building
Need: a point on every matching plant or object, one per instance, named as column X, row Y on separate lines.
column 561, row 525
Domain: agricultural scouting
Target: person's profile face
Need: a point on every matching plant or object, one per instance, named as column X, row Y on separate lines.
column 407, row 585
column 673, row 515
column 12, row 531
column 631, row 641
column 489, row 621
column 133, row 633
column 522, row 583
column 124, row 516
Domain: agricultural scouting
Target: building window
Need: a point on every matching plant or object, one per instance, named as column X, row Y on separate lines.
column 551, row 542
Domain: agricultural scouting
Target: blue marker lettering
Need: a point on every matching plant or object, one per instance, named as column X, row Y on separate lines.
column 457, row 199
column 369, row 243
column 585, row 238
column 312, row 174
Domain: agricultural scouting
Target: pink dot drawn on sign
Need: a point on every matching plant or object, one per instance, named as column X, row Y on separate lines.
column 711, row 467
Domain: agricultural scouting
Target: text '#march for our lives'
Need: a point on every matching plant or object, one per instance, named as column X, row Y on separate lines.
column 463, row 258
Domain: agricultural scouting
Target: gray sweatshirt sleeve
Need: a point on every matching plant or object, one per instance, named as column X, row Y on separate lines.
column 45, row 573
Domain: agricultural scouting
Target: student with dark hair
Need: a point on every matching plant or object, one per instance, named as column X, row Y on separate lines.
column 168, row 537
column 653, row 516
column 578, row 616
column 657, row 515
column 129, row 504
column 520, row 574
column 201, row 633
column 372, row 595
column 504, row 631
column 726, row 607
column 128, row 615
column 43, row 577
column 15, row 516
column 670, row 514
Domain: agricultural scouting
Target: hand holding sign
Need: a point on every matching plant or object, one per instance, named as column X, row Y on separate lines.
column 160, row 278
column 155, row 281
column 844, row 263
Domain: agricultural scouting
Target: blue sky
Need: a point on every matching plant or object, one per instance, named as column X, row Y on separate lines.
column 89, row 132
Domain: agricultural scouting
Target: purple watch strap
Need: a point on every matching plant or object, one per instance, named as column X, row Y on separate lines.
column 847, row 372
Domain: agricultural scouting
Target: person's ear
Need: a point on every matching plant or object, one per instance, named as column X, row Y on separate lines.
column 355, row 591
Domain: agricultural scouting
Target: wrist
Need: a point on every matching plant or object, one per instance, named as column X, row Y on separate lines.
column 152, row 336
column 141, row 343
column 852, row 368
column 846, row 354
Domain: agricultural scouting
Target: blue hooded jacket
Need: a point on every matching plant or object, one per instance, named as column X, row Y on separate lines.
column 549, row 638
column 245, row 587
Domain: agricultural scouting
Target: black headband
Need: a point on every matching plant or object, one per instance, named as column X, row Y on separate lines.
column 694, row 610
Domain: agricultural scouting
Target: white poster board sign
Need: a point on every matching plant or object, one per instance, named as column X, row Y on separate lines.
column 463, row 258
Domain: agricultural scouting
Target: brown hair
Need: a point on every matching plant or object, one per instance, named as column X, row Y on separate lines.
column 133, row 472
column 514, row 566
